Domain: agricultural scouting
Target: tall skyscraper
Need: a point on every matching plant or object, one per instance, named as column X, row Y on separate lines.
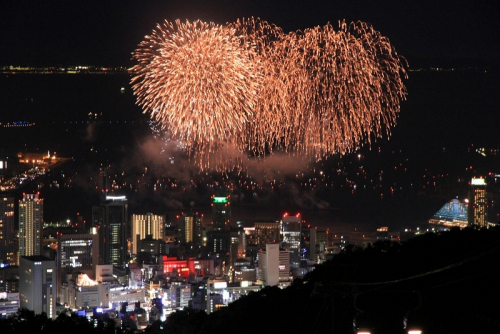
column 478, row 203
column 111, row 224
column 221, row 210
column 7, row 231
column 185, row 227
column 199, row 235
column 290, row 227
column 235, row 250
column 190, row 228
column 30, row 225
column 144, row 225
column 267, row 232
column 37, row 284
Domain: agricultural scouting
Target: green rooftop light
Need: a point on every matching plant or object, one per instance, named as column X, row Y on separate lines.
column 478, row 182
column 220, row 200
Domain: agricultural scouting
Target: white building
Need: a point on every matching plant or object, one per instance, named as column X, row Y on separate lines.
column 9, row 303
column 118, row 295
column 38, row 284
column 84, row 292
column 274, row 265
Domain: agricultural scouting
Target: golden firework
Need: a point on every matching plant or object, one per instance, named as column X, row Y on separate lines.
column 248, row 87
column 199, row 81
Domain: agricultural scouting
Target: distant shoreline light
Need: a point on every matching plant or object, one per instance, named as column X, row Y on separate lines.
column 64, row 70
column 91, row 69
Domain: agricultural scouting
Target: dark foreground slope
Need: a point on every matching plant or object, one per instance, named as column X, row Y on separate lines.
column 441, row 283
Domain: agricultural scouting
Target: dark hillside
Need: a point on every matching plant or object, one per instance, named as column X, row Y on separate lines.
column 441, row 283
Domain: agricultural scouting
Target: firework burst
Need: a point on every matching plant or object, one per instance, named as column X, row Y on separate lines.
column 199, row 81
column 353, row 86
column 247, row 86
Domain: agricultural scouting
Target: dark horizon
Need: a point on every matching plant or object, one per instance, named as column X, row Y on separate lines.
column 40, row 33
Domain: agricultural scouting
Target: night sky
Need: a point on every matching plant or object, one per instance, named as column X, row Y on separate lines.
column 106, row 32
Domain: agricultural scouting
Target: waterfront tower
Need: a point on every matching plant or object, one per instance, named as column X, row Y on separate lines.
column 30, row 225
column 478, row 204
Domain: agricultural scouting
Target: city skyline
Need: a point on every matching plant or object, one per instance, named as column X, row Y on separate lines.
column 445, row 110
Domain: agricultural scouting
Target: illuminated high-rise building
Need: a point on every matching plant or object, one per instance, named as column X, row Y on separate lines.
column 199, row 235
column 235, row 251
column 190, row 228
column 7, row 231
column 110, row 220
column 290, row 227
column 221, row 210
column 478, row 203
column 144, row 225
column 187, row 228
column 30, row 225
column 267, row 232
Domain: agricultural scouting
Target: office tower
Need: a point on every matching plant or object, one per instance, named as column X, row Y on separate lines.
column 312, row 244
column 199, row 236
column 218, row 242
column 148, row 248
column 76, row 252
column 144, row 225
column 219, row 238
column 274, row 265
column 322, row 240
column 267, row 232
column 37, row 284
column 290, row 227
column 30, row 225
column 186, row 227
column 478, row 203
column 179, row 295
column 234, row 246
column 190, row 228
column 7, row 231
column 112, row 230
column 221, row 210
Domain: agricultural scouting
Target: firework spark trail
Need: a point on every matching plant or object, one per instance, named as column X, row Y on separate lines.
column 349, row 85
column 247, row 86
column 198, row 81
